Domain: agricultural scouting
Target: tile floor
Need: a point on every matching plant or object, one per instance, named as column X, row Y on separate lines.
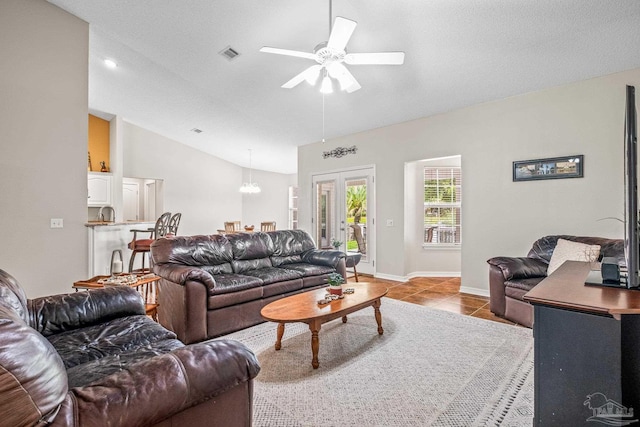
column 442, row 293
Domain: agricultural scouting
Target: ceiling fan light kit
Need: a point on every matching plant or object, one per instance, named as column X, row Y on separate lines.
column 331, row 57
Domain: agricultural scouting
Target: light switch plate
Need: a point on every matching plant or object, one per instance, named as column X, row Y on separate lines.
column 389, row 223
column 57, row 223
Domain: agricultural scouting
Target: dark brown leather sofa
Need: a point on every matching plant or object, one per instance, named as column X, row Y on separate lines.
column 94, row 359
column 214, row 285
column 510, row 278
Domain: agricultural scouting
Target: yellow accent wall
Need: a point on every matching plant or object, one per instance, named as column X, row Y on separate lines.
column 98, row 142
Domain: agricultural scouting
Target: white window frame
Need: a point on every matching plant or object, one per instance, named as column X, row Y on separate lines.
column 452, row 172
column 293, row 207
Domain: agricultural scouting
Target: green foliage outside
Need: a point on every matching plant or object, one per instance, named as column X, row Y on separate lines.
column 356, row 209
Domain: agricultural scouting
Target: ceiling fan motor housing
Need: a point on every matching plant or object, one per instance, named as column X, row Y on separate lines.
column 325, row 55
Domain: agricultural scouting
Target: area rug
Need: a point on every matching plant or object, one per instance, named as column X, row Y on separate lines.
column 429, row 368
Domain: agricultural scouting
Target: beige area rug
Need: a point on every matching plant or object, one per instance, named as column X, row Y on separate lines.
column 430, row 368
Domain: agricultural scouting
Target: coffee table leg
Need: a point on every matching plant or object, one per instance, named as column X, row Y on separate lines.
column 315, row 343
column 280, row 334
column 376, row 308
column 344, row 319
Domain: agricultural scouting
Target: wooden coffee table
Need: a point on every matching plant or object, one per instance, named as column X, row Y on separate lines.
column 304, row 308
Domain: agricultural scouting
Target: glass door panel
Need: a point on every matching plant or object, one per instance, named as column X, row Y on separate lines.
column 343, row 208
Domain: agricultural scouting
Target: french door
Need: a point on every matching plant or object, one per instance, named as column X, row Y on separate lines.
column 343, row 211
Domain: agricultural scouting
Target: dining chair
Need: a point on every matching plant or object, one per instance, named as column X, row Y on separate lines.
column 268, row 226
column 143, row 246
column 173, row 224
column 232, row 226
column 351, row 261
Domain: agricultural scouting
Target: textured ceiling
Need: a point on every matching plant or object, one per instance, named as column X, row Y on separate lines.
column 171, row 78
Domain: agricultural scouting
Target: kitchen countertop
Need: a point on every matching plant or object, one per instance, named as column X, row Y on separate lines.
column 112, row 223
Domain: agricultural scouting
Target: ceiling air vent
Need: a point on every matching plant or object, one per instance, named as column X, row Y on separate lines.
column 229, row 53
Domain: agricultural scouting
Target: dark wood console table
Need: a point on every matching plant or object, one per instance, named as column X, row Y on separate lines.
column 587, row 341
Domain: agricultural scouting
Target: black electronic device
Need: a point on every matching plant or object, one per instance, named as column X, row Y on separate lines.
column 631, row 240
column 610, row 270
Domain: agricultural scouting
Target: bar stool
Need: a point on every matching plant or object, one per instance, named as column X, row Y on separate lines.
column 144, row 245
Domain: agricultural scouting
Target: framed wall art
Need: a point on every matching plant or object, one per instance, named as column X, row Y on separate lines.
column 551, row 168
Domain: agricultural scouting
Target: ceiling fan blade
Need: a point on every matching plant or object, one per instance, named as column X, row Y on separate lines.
column 288, row 52
column 307, row 74
column 348, row 83
column 341, row 33
column 378, row 58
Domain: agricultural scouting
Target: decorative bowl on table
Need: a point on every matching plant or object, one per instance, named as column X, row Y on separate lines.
column 248, row 228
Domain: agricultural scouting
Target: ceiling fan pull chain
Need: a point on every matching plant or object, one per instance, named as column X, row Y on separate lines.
column 322, row 117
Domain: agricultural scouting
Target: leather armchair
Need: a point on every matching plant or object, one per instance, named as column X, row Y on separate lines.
column 94, row 359
column 510, row 278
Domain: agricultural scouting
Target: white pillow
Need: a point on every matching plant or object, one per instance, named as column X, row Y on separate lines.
column 567, row 250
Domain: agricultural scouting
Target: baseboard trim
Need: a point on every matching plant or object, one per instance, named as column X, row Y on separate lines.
column 433, row 274
column 474, row 291
column 390, row 277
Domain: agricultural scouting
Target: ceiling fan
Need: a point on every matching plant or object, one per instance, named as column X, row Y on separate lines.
column 331, row 57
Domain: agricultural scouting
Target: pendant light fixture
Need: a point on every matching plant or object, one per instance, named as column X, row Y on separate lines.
column 250, row 187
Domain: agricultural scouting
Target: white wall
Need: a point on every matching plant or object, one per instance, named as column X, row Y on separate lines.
column 272, row 203
column 501, row 217
column 43, row 145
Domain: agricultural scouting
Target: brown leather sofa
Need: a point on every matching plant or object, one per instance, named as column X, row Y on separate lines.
column 214, row 285
column 94, row 359
column 510, row 278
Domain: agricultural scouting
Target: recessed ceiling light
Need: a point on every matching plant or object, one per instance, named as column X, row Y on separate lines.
column 110, row 63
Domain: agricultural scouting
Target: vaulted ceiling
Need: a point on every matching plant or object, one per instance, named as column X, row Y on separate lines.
column 171, row 78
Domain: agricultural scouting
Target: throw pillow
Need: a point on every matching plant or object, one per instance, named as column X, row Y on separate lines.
column 567, row 250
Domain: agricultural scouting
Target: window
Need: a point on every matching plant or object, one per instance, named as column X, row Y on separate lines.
column 293, row 208
column 442, row 205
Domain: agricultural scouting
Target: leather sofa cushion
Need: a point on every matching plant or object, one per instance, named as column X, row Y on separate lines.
column 244, row 266
column 517, row 288
column 32, row 374
column 310, row 269
column 12, row 295
column 86, row 373
column 109, row 338
column 192, row 250
column 233, row 298
column 290, row 242
column 310, row 281
column 218, row 269
column 248, row 246
column 277, row 261
column 543, row 247
column 227, row 283
column 274, row 274
column 281, row 288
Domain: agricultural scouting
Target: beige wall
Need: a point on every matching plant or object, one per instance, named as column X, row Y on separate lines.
column 500, row 217
column 272, row 203
column 43, row 145
column 202, row 187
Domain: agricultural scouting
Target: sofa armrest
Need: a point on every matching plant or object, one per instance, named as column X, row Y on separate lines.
column 519, row 268
column 58, row 313
column 329, row 258
column 163, row 386
column 180, row 274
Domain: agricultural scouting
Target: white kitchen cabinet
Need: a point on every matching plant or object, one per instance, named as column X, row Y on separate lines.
column 99, row 189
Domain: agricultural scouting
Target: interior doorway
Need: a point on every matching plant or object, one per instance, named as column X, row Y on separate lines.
column 343, row 211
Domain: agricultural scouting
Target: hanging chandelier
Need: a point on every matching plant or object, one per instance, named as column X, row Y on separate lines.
column 250, row 187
